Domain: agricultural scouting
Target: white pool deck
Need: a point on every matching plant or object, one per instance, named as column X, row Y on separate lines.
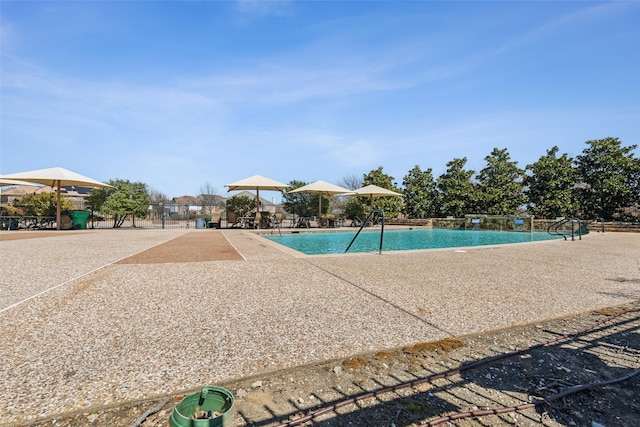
column 80, row 331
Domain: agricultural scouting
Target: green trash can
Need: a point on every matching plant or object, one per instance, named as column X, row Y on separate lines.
column 217, row 402
column 10, row 223
column 79, row 219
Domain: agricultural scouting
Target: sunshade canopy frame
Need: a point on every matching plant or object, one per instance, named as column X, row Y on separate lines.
column 321, row 188
column 373, row 191
column 56, row 177
column 257, row 183
column 13, row 182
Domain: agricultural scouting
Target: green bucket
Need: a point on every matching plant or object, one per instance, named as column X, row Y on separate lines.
column 217, row 400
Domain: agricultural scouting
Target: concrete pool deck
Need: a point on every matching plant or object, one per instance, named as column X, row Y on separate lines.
column 82, row 330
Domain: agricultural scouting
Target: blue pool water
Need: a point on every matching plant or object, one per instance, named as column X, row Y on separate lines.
column 399, row 240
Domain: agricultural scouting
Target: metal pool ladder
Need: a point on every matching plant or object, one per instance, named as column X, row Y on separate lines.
column 555, row 228
column 367, row 221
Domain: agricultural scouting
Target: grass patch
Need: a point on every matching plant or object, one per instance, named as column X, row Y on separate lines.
column 446, row 344
column 355, row 363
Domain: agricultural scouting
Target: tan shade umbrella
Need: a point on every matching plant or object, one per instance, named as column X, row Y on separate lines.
column 372, row 191
column 55, row 177
column 321, row 188
column 7, row 182
column 257, row 182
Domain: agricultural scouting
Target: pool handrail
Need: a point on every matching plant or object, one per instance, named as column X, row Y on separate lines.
column 554, row 228
column 365, row 222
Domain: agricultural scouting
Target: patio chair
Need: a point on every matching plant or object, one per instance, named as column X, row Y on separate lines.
column 358, row 222
column 232, row 221
column 276, row 221
column 256, row 220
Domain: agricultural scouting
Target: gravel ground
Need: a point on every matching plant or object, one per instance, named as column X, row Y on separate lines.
column 578, row 351
column 88, row 330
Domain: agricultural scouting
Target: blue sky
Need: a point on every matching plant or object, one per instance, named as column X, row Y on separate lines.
column 178, row 94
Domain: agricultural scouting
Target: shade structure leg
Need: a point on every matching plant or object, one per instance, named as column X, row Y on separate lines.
column 58, row 216
column 257, row 205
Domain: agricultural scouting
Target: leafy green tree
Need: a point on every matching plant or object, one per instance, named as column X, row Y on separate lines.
column 391, row 206
column 304, row 204
column 96, row 198
column 456, row 189
column 500, row 190
column 299, row 204
column 241, row 205
column 420, row 193
column 43, row 204
column 549, row 185
column 124, row 199
column 315, row 204
column 353, row 206
column 609, row 175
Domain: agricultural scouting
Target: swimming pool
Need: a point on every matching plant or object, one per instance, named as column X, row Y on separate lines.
column 399, row 240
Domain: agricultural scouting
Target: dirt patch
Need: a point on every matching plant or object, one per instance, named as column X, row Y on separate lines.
column 444, row 380
column 210, row 245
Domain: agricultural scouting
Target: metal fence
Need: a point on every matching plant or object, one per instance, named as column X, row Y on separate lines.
column 164, row 216
column 183, row 216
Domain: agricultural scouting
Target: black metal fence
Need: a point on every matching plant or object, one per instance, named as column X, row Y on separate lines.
column 182, row 216
column 163, row 216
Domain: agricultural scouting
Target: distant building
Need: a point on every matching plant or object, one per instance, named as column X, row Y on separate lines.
column 76, row 195
column 204, row 203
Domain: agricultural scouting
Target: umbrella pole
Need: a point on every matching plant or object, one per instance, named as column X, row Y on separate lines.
column 58, row 207
column 258, row 206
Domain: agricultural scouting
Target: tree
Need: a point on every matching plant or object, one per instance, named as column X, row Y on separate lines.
column 499, row 185
column 96, row 198
column 609, row 176
column 156, row 196
column 313, row 208
column 300, row 204
column 43, row 204
column 549, row 185
column 420, row 193
column 391, row 206
column 124, row 199
column 353, row 207
column 241, row 205
column 351, row 182
column 456, row 189
column 208, row 197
